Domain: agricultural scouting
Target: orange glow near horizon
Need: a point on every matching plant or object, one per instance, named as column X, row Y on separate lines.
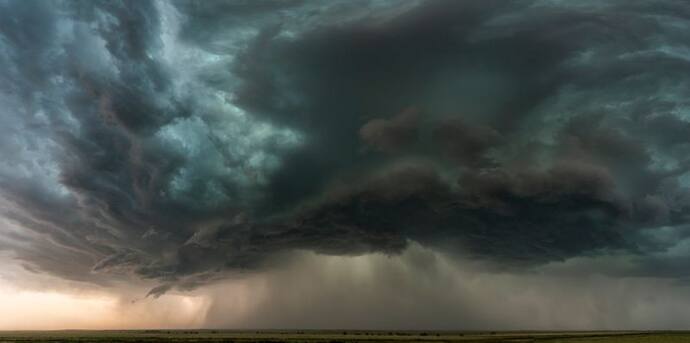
column 53, row 310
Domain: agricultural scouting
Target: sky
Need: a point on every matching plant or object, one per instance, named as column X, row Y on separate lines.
column 345, row 164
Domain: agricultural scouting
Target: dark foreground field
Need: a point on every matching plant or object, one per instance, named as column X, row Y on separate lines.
column 339, row 336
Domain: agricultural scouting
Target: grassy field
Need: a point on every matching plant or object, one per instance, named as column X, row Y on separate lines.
column 339, row 336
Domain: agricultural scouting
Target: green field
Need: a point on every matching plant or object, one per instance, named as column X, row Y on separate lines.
column 340, row 336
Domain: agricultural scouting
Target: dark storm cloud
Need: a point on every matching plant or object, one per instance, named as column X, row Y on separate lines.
column 186, row 141
column 465, row 143
column 390, row 135
column 514, row 217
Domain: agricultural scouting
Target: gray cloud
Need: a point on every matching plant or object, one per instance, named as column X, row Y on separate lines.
column 186, row 142
column 391, row 135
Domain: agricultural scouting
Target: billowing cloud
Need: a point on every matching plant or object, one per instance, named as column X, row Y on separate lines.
column 185, row 142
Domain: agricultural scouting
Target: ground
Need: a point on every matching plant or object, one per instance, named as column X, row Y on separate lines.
column 341, row 336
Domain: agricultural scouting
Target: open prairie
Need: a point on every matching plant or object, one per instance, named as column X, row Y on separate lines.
column 342, row 336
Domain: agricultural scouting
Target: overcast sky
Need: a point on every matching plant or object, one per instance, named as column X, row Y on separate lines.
column 473, row 164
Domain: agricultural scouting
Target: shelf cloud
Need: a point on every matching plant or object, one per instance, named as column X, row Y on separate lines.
column 183, row 143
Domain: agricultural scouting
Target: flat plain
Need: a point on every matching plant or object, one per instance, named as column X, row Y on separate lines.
column 309, row 336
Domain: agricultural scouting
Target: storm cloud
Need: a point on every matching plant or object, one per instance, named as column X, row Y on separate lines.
column 185, row 142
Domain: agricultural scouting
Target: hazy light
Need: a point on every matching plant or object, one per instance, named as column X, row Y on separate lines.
column 52, row 310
